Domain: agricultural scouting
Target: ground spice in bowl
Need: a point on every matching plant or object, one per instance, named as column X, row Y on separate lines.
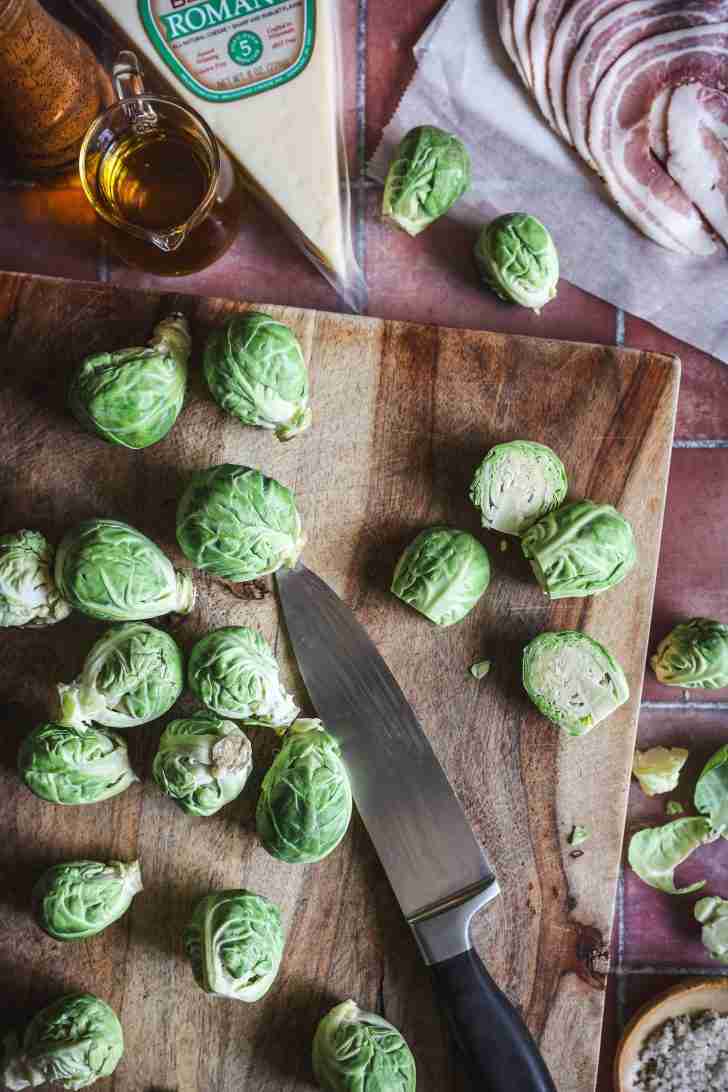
column 686, row 1053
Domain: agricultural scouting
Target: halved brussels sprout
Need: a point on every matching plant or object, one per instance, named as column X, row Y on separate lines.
column 234, row 522
column 658, row 768
column 712, row 913
column 133, row 396
column 74, row 766
column 305, row 801
column 711, row 791
column 72, row 1042
column 516, row 484
column 255, row 369
column 234, row 942
column 430, row 170
column 573, row 680
column 108, row 570
column 354, row 1051
column 517, row 259
column 580, row 549
column 694, row 654
column 79, row 899
column 655, row 853
column 234, row 672
column 133, row 674
column 442, row 574
column 28, row 592
column 202, row 763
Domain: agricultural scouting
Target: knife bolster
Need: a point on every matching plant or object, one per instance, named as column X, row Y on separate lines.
column 444, row 931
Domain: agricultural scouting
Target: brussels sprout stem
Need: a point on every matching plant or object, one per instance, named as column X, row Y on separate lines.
column 172, row 336
column 186, row 592
column 297, row 424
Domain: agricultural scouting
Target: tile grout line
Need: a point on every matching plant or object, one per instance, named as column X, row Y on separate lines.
column 698, row 971
column 686, row 706
column 619, row 324
column 359, row 187
column 701, row 444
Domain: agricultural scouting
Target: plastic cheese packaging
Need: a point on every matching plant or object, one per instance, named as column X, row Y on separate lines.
column 266, row 76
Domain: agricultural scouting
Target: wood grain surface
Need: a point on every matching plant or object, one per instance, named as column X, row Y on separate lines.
column 403, row 414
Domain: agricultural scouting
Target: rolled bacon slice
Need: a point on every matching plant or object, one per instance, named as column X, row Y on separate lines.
column 521, row 15
column 545, row 19
column 505, row 27
column 697, row 143
column 619, row 131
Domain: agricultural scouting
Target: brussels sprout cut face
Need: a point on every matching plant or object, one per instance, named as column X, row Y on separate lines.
column 108, row 570
column 573, row 680
column 516, row 484
column 235, row 944
column 74, row 766
column 580, row 549
column 305, row 802
column 658, row 768
column 237, row 524
column 712, row 912
column 28, row 592
column 255, row 369
column 429, row 171
column 72, row 1042
column 518, row 260
column 694, row 654
column 202, row 763
column 355, row 1050
column 79, row 899
column 655, row 853
column 234, row 673
column 442, row 574
column 133, row 396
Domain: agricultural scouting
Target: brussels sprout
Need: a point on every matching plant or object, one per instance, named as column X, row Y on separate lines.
column 305, row 803
column 133, row 674
column 480, row 669
column 236, row 523
column 429, row 172
column 442, row 574
column 234, row 673
column 573, row 680
column 235, row 944
column 28, row 592
column 79, row 899
column 516, row 484
column 133, row 396
column 255, row 369
column 711, row 791
column 694, row 654
column 74, row 765
column 108, row 570
column 202, row 763
column 658, row 768
column 517, row 259
column 356, row 1051
column 72, row 1042
column 580, row 549
column 655, row 853
column 712, row 913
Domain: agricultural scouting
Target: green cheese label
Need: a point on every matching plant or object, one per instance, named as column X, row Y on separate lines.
column 229, row 49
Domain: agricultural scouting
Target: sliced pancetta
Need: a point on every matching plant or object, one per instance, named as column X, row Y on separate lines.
column 619, row 131
column 521, row 15
column 697, row 142
column 546, row 16
column 505, row 27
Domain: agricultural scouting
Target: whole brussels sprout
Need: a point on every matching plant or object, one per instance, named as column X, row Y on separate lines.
column 108, row 570
column 655, row 853
column 74, row 765
column 233, row 672
column 255, row 369
column 354, row 1051
column 28, row 592
column 694, row 655
column 429, row 171
column 517, row 259
column 133, row 674
column 133, row 396
column 442, row 574
column 72, row 1042
column 202, row 763
column 234, row 522
column 573, row 680
column 305, row 801
column 235, row 944
column 516, row 484
column 580, row 549
column 712, row 913
column 658, row 768
column 79, row 899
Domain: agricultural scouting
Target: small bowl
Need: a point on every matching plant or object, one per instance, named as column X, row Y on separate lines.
column 697, row 995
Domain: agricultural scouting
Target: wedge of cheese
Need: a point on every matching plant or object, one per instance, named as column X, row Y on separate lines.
column 264, row 75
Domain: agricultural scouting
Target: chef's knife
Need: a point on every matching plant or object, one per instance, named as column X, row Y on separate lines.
column 438, row 871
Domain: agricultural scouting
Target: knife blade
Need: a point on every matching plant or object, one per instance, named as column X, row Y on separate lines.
column 437, row 870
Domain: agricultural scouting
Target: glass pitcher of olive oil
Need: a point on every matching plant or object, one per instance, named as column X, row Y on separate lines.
column 169, row 198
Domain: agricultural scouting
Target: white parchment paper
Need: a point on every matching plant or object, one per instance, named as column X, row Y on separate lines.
column 466, row 84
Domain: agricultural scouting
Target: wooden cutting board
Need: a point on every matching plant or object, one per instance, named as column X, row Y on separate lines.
column 403, row 415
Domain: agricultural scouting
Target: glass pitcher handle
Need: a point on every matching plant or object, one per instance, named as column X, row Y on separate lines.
column 129, row 87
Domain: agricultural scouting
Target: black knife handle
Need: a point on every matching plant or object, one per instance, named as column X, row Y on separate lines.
column 497, row 1047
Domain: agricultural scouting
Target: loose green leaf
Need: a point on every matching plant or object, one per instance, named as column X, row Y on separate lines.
column 517, row 260
column 480, row 669
column 28, row 592
column 655, row 853
column 694, row 655
column 430, row 170
column 658, row 768
column 578, row 835
column 516, row 484
column 712, row 912
column 79, row 899
column 442, row 574
column 356, row 1051
column 711, row 791
column 674, row 807
column 202, row 763
column 74, row 765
